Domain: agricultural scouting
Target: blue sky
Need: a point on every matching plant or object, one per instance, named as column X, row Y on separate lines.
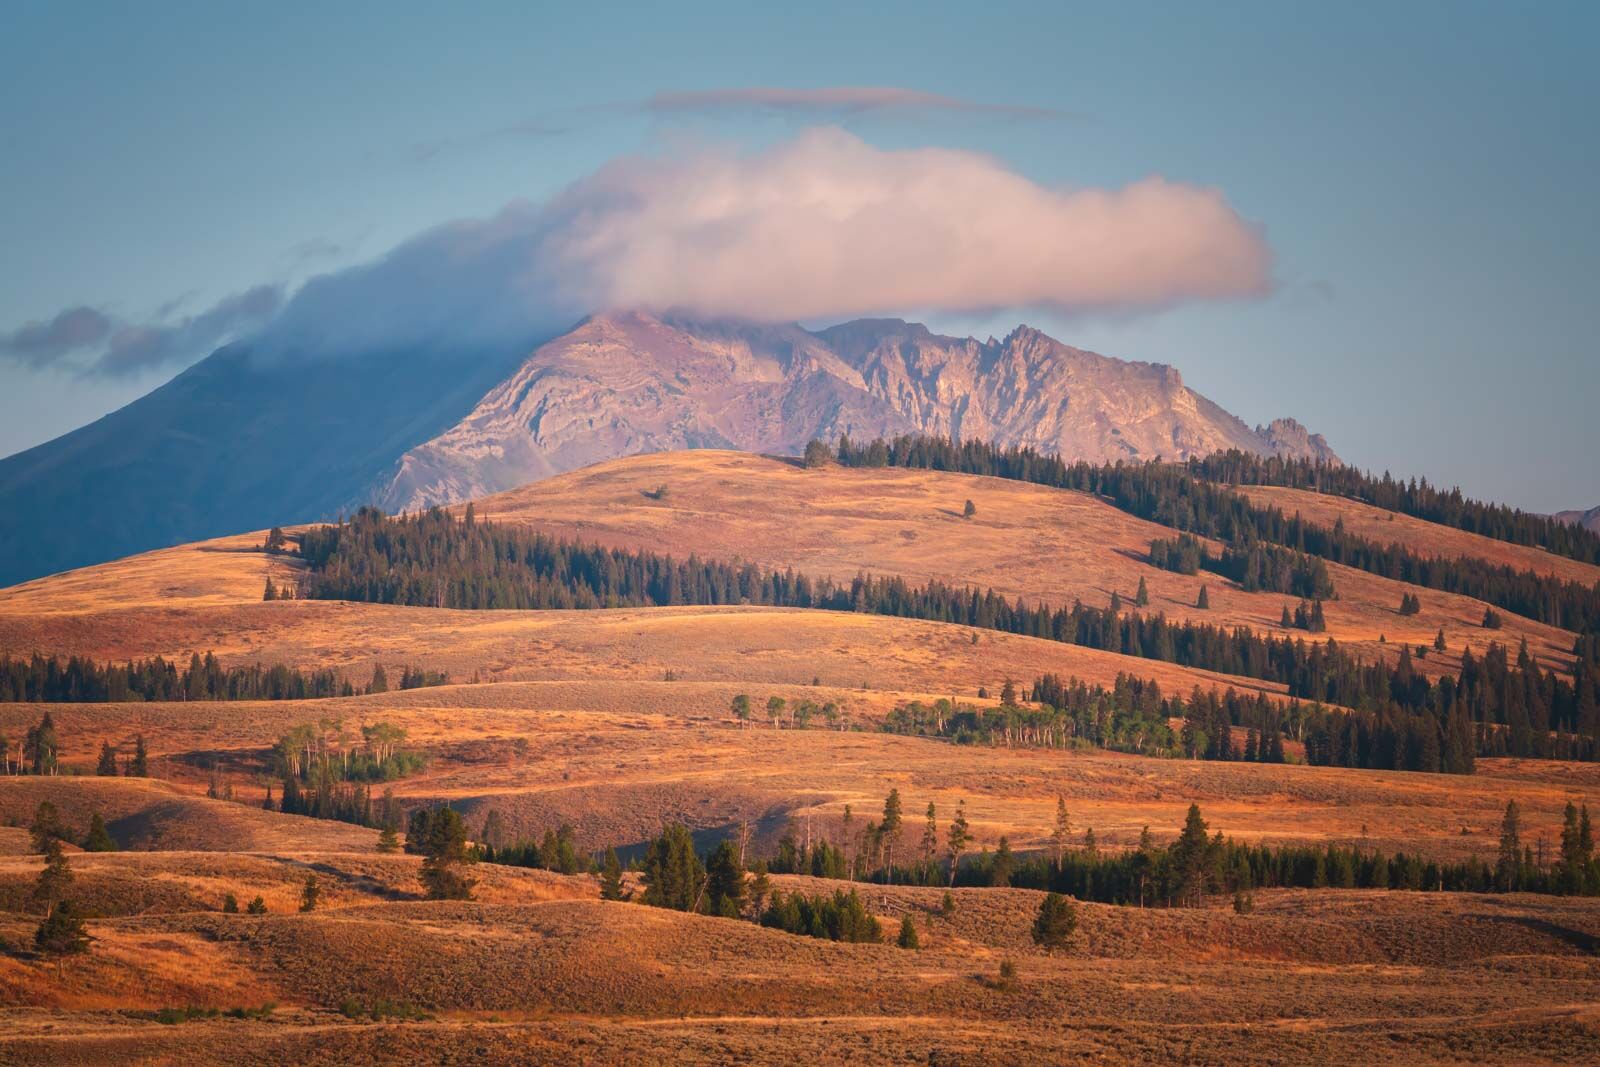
column 1422, row 174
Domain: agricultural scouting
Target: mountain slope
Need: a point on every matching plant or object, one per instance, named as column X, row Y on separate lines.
column 630, row 382
column 1589, row 520
column 231, row 444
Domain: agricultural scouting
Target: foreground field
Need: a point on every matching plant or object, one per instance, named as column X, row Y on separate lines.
column 541, row 971
column 615, row 760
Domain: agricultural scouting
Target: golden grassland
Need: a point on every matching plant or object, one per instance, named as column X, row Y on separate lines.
column 542, row 971
column 1025, row 541
column 575, row 722
column 616, row 760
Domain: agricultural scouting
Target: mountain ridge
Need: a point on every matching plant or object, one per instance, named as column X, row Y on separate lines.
column 670, row 382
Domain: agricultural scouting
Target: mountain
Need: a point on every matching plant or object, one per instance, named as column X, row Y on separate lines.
column 632, row 382
column 1589, row 520
column 241, row 441
column 233, row 443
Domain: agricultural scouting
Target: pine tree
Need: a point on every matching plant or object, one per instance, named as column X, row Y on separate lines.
column 891, row 827
column 1055, row 922
column 611, row 877
column 106, row 767
column 1005, row 862
column 258, row 906
column 140, row 767
column 388, row 839
column 969, row 510
column 1190, row 857
column 1508, row 867
column 1204, row 602
column 310, row 893
column 1008, row 694
column 1116, row 602
column 673, row 875
column 63, row 932
column 380, row 681
column 54, row 880
column 725, row 888
column 1142, row 597
column 98, row 838
column 1438, row 641
column 445, row 855
column 930, row 840
column 230, row 904
column 1286, row 622
column 1062, row 831
column 957, row 839
column 760, row 888
column 271, row 591
column 817, row 454
column 908, row 933
column 46, row 826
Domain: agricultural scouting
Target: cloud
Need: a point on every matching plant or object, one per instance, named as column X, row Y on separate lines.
column 39, row 344
column 820, row 227
column 117, row 349
column 823, row 226
column 835, row 102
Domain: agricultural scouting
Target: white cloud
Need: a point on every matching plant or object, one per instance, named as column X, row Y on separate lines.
column 821, row 226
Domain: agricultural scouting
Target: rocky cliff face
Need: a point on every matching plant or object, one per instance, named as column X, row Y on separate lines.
column 630, row 382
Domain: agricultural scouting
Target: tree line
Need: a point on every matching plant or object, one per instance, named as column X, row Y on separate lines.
column 433, row 559
column 1181, row 496
column 79, row 679
column 1415, row 497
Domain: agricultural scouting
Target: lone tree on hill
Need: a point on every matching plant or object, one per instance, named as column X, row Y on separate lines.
column 1056, row 921
column 1142, row 597
column 817, row 454
column 968, row 510
column 908, row 933
column 62, row 933
column 446, row 855
column 310, row 893
column 1204, row 600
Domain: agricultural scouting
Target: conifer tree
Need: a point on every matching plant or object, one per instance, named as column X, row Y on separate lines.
column 611, row 876
column 310, row 893
column 1005, row 862
column 760, row 888
column 388, row 839
column 140, row 767
column 46, row 826
column 930, row 840
column 1507, row 870
column 957, row 839
column 817, row 454
column 1204, row 601
column 1008, row 694
column 98, row 839
column 969, row 510
column 55, row 880
column 230, row 904
column 446, row 854
column 1061, row 832
column 673, row 875
column 1142, row 597
column 725, row 882
column 271, row 591
column 1055, row 922
column 891, row 828
column 380, row 681
column 1438, row 641
column 258, row 906
column 106, row 766
column 908, row 933
column 62, row 933
column 1286, row 622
